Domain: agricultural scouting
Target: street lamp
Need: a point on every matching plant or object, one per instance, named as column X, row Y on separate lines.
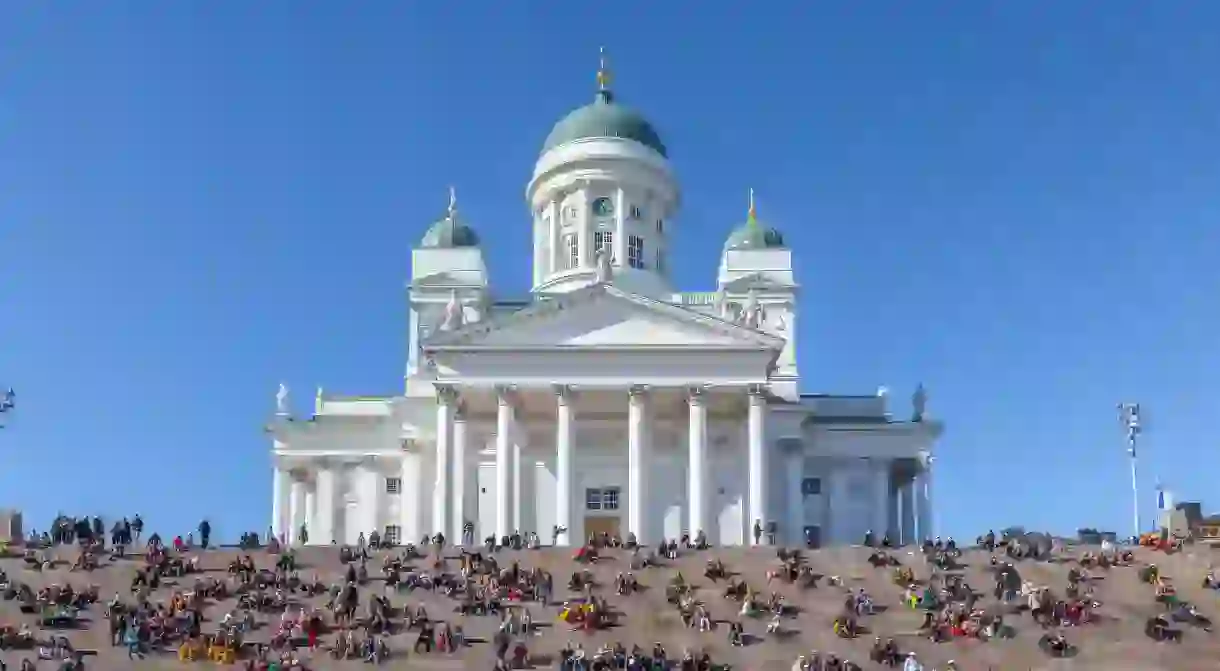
column 1129, row 419
column 8, row 401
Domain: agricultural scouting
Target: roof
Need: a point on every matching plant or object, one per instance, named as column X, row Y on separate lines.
column 604, row 118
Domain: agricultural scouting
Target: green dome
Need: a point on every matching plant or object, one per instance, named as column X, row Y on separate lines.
column 450, row 231
column 604, row 118
column 754, row 235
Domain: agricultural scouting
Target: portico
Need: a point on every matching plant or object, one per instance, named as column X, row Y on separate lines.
column 515, row 406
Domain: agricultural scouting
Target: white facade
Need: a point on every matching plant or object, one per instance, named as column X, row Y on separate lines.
column 607, row 400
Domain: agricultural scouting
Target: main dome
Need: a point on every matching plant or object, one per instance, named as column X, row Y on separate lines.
column 604, row 118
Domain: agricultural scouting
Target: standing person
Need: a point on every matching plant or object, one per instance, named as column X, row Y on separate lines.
column 205, row 533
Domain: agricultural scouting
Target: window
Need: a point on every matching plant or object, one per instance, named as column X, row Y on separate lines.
column 569, row 212
column 393, row 485
column 636, row 213
column 392, row 535
column 635, row 251
column 811, row 486
column 602, row 498
column 660, row 225
column 660, row 264
column 604, row 240
column 569, row 243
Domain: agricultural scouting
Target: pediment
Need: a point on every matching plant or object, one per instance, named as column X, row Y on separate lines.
column 756, row 282
column 441, row 279
column 603, row 317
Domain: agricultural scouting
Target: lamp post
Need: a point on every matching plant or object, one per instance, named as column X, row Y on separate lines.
column 1129, row 419
column 8, row 401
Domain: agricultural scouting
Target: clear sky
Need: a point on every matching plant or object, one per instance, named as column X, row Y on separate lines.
column 1014, row 203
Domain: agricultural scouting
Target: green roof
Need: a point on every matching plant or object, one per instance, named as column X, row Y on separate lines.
column 449, row 232
column 604, row 118
column 754, row 235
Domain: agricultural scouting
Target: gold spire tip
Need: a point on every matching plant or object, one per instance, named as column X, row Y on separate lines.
column 752, row 212
column 603, row 70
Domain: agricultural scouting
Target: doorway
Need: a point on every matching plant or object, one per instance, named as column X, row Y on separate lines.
column 596, row 525
column 813, row 536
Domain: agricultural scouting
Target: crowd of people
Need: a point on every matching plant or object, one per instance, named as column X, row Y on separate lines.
column 359, row 614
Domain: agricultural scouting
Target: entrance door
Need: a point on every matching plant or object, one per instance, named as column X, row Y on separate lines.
column 599, row 524
column 813, row 536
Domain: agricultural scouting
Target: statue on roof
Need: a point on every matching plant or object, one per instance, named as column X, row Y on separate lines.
column 605, row 272
column 281, row 400
column 919, row 403
column 752, row 314
column 455, row 315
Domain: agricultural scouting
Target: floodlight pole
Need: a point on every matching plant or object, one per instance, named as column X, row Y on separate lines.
column 8, row 401
column 1129, row 418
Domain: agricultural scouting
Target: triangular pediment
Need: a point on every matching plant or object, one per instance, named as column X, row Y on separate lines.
column 603, row 317
column 441, row 279
column 757, row 282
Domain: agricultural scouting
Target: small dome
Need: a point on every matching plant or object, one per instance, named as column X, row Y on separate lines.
column 450, row 231
column 604, row 118
column 754, row 234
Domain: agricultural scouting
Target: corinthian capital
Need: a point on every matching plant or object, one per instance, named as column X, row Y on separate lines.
column 446, row 394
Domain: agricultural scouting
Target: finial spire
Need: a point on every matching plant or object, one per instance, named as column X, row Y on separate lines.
column 452, row 201
column 752, row 213
column 603, row 73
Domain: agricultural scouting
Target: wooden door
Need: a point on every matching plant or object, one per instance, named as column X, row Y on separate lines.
column 598, row 524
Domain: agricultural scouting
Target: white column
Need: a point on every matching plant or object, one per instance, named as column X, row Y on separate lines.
column 565, row 429
column 881, row 497
column 923, row 505
column 325, row 513
column 555, row 247
column 517, row 489
column 697, row 466
column 373, row 486
column 504, row 446
column 409, row 495
column 446, row 399
column 460, row 514
column 311, row 511
column 620, row 229
column 298, row 511
column 639, row 457
column 906, row 504
column 757, row 464
column 278, row 482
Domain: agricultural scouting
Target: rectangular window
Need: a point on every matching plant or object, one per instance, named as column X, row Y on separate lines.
column 593, row 499
column 811, row 486
column 636, row 213
column 393, row 485
column 604, row 240
column 635, row 251
column 660, row 225
column 392, row 535
column 610, row 498
column 660, row 266
column 569, row 243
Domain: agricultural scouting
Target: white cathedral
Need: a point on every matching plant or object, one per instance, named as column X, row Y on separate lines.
column 607, row 401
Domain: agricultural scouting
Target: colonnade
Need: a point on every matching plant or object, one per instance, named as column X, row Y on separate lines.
column 448, row 503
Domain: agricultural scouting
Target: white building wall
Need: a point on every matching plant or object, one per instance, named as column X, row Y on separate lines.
column 843, row 488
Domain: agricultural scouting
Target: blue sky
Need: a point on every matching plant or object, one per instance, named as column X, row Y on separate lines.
column 1014, row 203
